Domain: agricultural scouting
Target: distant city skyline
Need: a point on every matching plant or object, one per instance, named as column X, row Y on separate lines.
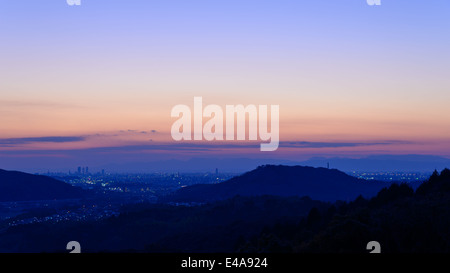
column 94, row 84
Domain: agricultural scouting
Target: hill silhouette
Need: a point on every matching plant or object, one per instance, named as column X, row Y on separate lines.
column 317, row 183
column 19, row 186
column 400, row 219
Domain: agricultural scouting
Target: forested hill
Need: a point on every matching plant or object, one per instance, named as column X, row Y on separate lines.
column 19, row 186
column 317, row 183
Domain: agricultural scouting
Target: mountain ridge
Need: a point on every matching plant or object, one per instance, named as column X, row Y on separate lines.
column 317, row 183
column 20, row 186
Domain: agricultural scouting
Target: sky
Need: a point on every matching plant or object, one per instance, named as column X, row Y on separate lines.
column 95, row 83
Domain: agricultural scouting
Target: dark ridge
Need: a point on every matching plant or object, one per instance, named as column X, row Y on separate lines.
column 19, row 186
column 436, row 183
column 318, row 183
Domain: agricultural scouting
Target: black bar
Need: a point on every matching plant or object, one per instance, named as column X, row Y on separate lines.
column 273, row 262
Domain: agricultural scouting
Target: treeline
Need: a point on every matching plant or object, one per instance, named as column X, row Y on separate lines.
column 400, row 219
column 218, row 227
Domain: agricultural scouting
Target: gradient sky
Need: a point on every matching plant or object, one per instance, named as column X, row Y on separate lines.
column 351, row 79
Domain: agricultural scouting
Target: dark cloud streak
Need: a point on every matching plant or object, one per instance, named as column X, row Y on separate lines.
column 52, row 139
column 307, row 144
column 189, row 146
